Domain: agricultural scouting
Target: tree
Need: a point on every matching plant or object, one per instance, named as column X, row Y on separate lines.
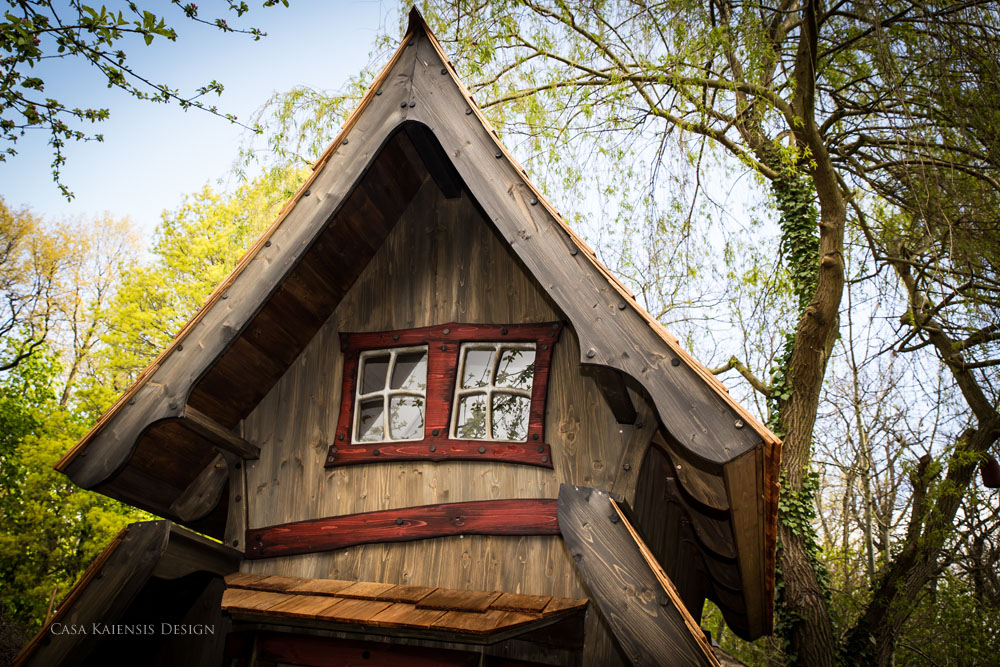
column 31, row 263
column 33, row 32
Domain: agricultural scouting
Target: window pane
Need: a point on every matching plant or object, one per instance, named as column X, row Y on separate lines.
column 471, row 421
column 406, row 418
column 516, row 369
column 478, row 367
column 510, row 417
column 370, row 426
column 410, row 371
column 373, row 373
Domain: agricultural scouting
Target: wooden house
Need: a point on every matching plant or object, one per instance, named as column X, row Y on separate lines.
column 428, row 427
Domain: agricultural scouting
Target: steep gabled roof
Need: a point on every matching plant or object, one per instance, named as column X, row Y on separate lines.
column 158, row 446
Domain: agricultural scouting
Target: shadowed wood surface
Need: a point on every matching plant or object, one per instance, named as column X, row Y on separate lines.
column 484, row 517
column 651, row 626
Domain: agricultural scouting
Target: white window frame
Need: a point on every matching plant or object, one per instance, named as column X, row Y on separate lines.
column 489, row 389
column 386, row 393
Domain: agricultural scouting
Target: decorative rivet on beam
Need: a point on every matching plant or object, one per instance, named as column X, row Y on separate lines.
column 621, row 306
column 574, row 252
column 378, row 92
column 340, row 436
column 225, row 296
column 545, row 459
column 534, row 436
column 236, row 543
column 545, row 346
column 482, row 450
column 675, row 362
column 239, row 498
column 410, row 43
column 627, row 467
column 613, row 517
column 402, row 105
column 395, row 336
column 446, row 332
column 664, row 600
column 444, row 70
column 434, row 448
column 534, row 200
column 468, row 111
column 173, row 406
column 307, row 193
column 540, row 449
column 399, row 521
column 180, row 348
column 739, row 423
column 333, row 450
column 591, row 353
column 376, row 452
column 503, row 332
column 435, row 431
column 259, row 538
column 444, row 348
column 344, row 142
column 639, row 425
column 131, row 401
column 267, row 244
column 413, row 104
column 498, row 154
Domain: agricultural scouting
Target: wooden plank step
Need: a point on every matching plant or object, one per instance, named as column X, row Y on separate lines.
column 523, row 603
column 458, row 600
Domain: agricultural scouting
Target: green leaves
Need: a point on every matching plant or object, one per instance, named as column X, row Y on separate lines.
column 33, row 30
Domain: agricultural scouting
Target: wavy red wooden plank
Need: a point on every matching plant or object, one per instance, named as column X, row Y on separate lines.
column 529, row 516
column 441, row 448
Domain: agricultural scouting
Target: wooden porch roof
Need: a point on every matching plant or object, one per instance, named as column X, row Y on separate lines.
column 425, row 611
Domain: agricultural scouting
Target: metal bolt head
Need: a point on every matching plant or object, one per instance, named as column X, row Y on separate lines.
column 446, row 332
column 413, row 104
column 444, row 70
column 378, row 92
column 675, row 362
column 498, row 155
column 621, row 306
column 534, row 201
column 236, row 543
column 402, row 105
column 591, row 353
column 307, row 193
column 444, row 348
column 482, row 450
column 468, row 112
column 545, row 459
column 267, row 244
column 433, row 448
column 540, row 449
column 395, row 336
column 333, row 450
column 340, row 436
column 376, row 452
column 435, row 431
column 399, row 521
column 627, row 467
column 739, row 423
column 344, row 142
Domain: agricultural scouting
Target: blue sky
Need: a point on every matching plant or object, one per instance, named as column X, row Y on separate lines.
column 154, row 154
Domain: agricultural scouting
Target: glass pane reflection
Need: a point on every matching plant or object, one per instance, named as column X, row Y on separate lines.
column 510, row 417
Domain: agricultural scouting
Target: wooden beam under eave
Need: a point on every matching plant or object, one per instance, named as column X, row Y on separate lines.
column 218, row 434
column 202, row 495
column 612, row 384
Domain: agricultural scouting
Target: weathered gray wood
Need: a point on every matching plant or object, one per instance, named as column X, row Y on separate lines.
column 743, row 479
column 638, row 440
column 440, row 167
column 203, row 494
column 236, row 519
column 705, row 487
column 615, row 392
column 219, row 435
column 188, row 552
column 698, row 417
column 102, row 595
column 650, row 629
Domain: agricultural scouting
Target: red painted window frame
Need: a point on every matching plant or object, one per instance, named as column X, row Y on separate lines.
column 444, row 342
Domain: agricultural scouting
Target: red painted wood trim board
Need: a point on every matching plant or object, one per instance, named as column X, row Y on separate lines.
column 535, row 516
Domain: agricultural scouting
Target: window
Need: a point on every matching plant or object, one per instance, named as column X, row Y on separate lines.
column 452, row 391
column 391, row 395
column 493, row 396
